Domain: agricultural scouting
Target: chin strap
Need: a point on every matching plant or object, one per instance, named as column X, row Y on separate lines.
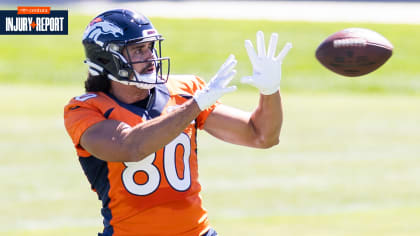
column 145, row 81
column 139, row 85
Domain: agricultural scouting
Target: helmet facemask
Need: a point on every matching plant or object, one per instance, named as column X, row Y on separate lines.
column 126, row 69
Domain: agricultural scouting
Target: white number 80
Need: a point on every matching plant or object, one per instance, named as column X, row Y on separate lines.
column 153, row 176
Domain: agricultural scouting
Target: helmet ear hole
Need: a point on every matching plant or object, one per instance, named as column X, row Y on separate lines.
column 119, row 63
column 103, row 60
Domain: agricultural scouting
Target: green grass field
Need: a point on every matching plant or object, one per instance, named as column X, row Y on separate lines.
column 339, row 170
column 348, row 162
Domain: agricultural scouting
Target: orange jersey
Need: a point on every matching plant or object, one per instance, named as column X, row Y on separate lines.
column 160, row 194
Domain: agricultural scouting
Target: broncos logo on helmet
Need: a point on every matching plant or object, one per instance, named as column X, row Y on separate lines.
column 102, row 27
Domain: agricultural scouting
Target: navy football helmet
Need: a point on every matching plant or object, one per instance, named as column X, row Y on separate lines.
column 106, row 38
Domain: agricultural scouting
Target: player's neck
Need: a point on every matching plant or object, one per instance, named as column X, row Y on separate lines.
column 128, row 93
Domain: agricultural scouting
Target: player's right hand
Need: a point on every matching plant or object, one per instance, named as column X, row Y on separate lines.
column 216, row 88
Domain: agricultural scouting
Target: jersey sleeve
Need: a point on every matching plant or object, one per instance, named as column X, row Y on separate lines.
column 78, row 117
column 202, row 117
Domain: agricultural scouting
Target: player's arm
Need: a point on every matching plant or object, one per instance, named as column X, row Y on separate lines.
column 113, row 140
column 262, row 127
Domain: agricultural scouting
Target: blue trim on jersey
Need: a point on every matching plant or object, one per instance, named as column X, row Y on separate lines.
column 211, row 232
column 159, row 100
column 108, row 112
column 186, row 96
column 159, row 97
column 96, row 171
column 135, row 109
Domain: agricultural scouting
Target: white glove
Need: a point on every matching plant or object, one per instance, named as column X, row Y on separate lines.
column 216, row 88
column 266, row 68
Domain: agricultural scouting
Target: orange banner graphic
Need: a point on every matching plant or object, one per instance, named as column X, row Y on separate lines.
column 33, row 10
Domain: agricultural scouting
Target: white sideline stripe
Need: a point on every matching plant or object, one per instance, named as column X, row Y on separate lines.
column 368, row 12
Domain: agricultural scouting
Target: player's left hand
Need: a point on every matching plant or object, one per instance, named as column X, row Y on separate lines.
column 266, row 67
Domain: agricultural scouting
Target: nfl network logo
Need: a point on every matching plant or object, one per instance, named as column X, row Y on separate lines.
column 34, row 21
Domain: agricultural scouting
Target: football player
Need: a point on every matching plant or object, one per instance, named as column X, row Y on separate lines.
column 135, row 129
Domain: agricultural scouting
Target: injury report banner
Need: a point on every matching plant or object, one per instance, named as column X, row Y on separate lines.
column 34, row 21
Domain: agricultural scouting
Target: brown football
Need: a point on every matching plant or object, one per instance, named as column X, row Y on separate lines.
column 354, row 51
